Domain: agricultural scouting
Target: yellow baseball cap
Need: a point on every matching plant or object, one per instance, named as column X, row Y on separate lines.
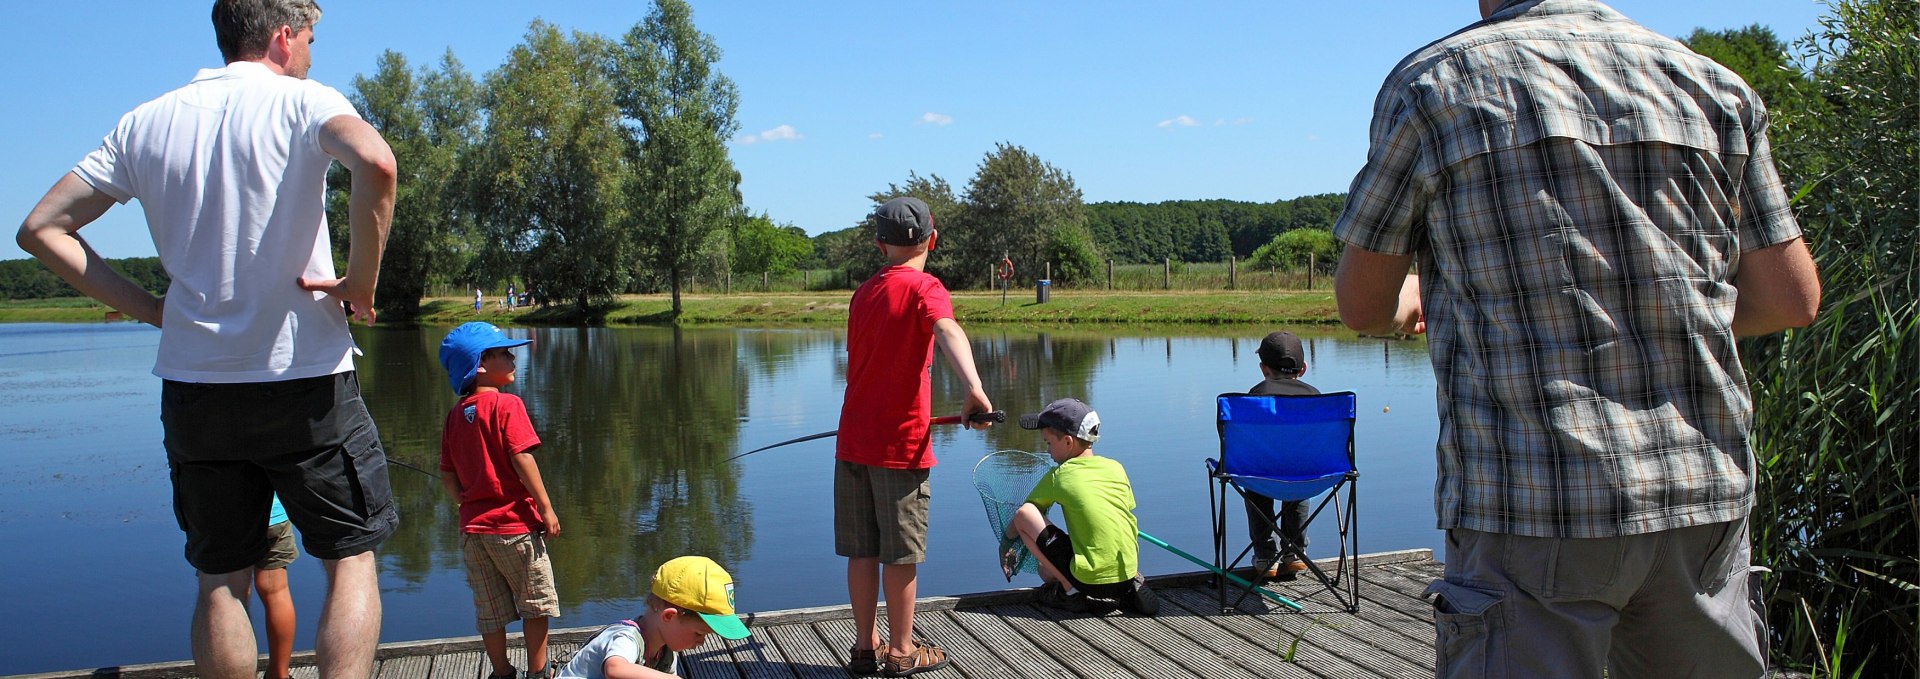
column 697, row 584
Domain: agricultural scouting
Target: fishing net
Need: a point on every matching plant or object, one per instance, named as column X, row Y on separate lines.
column 1004, row 479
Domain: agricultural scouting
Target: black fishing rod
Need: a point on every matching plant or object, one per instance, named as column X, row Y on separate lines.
column 989, row 417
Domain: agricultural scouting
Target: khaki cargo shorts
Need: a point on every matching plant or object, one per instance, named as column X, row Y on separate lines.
column 880, row 513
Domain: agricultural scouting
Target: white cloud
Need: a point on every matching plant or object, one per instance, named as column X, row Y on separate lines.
column 875, row 135
column 932, row 118
column 1181, row 121
column 781, row 133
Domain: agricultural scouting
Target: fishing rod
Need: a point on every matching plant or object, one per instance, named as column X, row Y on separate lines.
column 1235, row 579
column 989, row 417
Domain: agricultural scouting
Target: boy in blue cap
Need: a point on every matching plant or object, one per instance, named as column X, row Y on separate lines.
column 487, row 466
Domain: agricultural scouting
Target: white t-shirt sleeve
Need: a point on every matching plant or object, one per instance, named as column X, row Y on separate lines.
column 323, row 103
column 625, row 644
column 107, row 168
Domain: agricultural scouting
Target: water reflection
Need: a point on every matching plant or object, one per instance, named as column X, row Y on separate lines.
column 636, row 424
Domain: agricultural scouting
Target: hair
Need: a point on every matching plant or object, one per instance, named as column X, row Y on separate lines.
column 244, row 27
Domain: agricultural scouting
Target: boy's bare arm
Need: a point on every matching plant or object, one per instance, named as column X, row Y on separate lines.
column 451, row 482
column 621, row 668
column 953, row 344
column 529, row 472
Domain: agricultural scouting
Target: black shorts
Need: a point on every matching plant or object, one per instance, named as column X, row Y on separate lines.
column 230, row 447
column 1057, row 548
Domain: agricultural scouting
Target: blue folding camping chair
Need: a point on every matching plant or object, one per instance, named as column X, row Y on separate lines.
column 1289, row 448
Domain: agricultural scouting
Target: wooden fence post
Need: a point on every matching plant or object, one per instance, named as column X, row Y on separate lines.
column 1232, row 271
column 1109, row 273
column 1166, row 273
column 1311, row 265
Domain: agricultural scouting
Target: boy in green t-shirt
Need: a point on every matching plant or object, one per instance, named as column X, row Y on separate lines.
column 1098, row 568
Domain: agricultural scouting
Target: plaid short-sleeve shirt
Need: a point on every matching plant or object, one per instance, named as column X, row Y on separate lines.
column 1577, row 191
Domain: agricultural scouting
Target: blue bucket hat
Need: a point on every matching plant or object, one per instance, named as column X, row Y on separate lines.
column 460, row 351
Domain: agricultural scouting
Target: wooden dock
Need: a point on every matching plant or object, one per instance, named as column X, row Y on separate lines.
column 1002, row 635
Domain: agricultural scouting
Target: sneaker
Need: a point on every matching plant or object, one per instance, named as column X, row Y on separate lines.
column 1052, row 595
column 1288, row 568
column 1265, row 563
column 924, row 658
column 511, row 673
column 862, row 661
column 545, row 672
column 1142, row 600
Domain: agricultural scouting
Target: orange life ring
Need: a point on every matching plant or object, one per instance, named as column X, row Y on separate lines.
column 1004, row 269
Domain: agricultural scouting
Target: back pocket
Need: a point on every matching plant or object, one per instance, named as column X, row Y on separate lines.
column 1463, row 620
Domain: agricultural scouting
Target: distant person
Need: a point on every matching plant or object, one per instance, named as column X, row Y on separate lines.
column 486, row 464
column 479, row 300
column 276, row 601
column 1597, row 216
column 258, row 391
column 1094, row 565
column 691, row 597
column 880, row 489
column 1282, row 363
column 512, row 301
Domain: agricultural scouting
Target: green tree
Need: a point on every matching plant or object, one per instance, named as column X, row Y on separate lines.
column 1295, row 249
column 949, row 219
column 546, row 179
column 761, row 246
column 1014, row 205
column 1837, row 404
column 683, row 195
column 428, row 119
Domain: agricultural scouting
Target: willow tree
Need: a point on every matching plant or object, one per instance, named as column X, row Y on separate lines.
column 548, row 175
column 683, row 194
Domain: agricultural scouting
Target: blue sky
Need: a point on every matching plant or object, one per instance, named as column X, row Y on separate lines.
column 1138, row 101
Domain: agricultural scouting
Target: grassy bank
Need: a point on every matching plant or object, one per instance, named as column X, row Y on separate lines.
column 758, row 309
column 830, row 307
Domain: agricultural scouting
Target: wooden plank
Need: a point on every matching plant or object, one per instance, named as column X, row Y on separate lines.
column 970, row 657
column 710, row 660
column 409, row 667
column 1385, row 629
column 1206, row 634
column 756, row 659
column 807, row 655
column 1062, row 645
column 1270, row 638
column 1019, row 654
column 1350, row 637
column 461, row 665
column 1119, row 636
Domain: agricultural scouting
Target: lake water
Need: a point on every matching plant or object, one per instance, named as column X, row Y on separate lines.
column 636, row 423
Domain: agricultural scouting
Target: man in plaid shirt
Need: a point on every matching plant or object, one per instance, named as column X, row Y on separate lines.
column 1596, row 215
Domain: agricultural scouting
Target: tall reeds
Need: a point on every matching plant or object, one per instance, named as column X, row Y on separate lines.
column 1837, row 404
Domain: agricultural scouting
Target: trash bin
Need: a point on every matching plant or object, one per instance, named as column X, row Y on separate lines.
column 1041, row 290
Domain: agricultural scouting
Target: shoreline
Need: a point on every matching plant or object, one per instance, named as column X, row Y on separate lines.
column 814, row 309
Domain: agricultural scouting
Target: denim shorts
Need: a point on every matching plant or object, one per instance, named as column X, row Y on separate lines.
column 230, row 447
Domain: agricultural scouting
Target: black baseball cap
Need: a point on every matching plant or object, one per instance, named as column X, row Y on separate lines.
column 1281, row 351
column 903, row 221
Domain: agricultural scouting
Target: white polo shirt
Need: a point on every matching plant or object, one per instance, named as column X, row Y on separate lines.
column 231, row 176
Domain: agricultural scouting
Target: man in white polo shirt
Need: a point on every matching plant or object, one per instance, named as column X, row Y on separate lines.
column 258, row 391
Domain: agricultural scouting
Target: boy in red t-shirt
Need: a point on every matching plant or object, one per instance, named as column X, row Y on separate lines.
column 880, row 489
column 487, row 466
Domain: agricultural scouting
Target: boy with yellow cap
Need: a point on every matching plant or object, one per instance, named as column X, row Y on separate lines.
column 692, row 597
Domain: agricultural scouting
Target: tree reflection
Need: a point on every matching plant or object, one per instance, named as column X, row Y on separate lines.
column 633, row 424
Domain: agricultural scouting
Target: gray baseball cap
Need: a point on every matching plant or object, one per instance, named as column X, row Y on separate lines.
column 1067, row 416
column 903, row 221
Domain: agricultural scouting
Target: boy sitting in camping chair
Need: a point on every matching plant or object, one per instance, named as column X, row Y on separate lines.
column 1100, row 562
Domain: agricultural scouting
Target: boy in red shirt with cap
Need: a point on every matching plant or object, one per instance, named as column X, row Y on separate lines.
column 487, row 466
column 880, row 489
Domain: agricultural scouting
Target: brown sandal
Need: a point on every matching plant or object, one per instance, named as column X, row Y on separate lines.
column 924, row 658
column 862, row 661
